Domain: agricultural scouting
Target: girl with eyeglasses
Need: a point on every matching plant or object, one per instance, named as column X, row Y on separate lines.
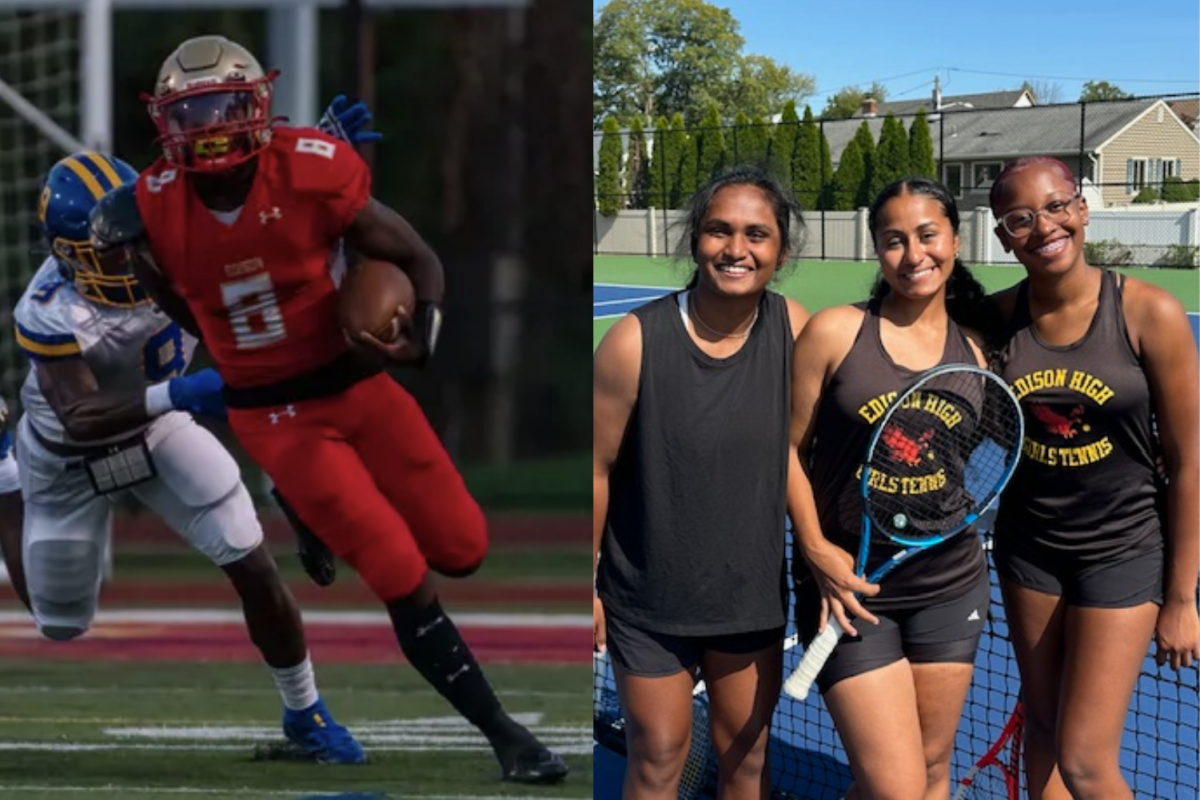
column 1096, row 551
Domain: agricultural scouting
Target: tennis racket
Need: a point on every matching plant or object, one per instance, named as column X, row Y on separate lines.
column 940, row 455
column 997, row 776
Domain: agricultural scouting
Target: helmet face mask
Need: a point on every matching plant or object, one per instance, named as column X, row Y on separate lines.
column 73, row 188
column 211, row 105
column 105, row 278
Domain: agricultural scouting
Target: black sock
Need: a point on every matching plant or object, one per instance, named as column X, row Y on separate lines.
column 434, row 646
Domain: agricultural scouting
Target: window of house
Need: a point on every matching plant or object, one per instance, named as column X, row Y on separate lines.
column 952, row 177
column 1170, row 168
column 1135, row 175
column 985, row 173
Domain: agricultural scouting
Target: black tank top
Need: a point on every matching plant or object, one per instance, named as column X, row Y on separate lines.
column 694, row 541
column 1086, row 484
column 858, row 393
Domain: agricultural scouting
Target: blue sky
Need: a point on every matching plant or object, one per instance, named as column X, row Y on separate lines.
column 1143, row 46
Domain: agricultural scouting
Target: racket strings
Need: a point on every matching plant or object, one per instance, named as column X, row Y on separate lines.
column 943, row 451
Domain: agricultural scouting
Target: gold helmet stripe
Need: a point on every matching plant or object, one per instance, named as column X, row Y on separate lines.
column 89, row 180
column 106, row 167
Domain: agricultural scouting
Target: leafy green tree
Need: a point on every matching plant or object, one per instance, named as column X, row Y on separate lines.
column 1094, row 91
column 683, row 150
column 848, row 179
column 847, row 101
column 608, row 176
column 866, row 146
column 826, row 171
column 759, row 139
column 662, row 57
column 759, row 86
column 806, row 162
column 660, row 179
column 710, row 145
column 920, row 148
column 636, row 163
column 891, row 157
column 737, row 140
column 783, row 142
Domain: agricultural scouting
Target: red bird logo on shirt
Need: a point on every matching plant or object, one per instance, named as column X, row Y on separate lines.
column 1055, row 423
column 904, row 449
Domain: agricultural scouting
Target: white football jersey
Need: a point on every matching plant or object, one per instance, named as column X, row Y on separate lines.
column 125, row 347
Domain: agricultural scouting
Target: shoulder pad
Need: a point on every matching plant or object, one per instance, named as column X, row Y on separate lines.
column 44, row 328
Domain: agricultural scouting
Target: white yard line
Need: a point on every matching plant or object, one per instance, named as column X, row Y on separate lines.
column 208, row 616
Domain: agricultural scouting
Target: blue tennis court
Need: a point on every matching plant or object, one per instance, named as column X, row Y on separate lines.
column 1159, row 754
column 613, row 300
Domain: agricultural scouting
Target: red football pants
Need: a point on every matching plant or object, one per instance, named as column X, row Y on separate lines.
column 365, row 470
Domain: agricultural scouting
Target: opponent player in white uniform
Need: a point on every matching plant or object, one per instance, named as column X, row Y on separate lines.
column 105, row 414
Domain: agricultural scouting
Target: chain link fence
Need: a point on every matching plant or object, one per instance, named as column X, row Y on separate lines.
column 1137, row 160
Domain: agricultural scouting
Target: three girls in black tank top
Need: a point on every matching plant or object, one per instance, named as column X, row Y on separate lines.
column 1095, row 552
column 690, row 418
column 896, row 683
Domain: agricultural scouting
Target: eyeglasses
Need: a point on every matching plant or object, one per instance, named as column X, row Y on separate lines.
column 1020, row 222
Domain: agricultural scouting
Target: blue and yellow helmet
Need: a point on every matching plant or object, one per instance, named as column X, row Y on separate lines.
column 72, row 188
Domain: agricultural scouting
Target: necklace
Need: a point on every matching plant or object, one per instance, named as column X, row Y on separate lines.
column 722, row 334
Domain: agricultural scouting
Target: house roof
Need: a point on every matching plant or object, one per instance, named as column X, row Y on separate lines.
column 959, row 102
column 1186, row 110
column 1011, row 132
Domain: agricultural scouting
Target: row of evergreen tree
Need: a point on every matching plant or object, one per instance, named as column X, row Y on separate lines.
column 794, row 150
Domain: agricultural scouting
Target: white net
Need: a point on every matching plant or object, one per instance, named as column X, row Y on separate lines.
column 39, row 60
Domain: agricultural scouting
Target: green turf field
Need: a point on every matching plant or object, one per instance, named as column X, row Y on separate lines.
column 819, row 284
column 124, row 731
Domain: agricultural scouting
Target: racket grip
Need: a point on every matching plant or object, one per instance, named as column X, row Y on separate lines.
column 816, row 654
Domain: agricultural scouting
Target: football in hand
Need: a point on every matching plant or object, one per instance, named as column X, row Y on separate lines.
column 369, row 298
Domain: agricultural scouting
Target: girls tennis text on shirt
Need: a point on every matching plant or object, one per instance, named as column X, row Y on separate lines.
column 1065, row 421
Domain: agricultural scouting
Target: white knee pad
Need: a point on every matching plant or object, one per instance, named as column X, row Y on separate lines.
column 64, row 586
column 227, row 530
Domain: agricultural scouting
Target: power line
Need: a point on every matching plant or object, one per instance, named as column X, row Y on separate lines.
column 1064, row 77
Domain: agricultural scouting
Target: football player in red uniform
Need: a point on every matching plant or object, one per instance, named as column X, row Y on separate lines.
column 243, row 222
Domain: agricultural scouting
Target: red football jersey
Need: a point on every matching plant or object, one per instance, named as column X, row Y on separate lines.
column 262, row 288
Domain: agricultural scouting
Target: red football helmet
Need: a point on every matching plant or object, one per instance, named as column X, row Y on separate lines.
column 211, row 105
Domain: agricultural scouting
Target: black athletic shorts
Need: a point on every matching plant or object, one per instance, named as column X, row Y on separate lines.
column 649, row 654
column 948, row 632
column 1123, row 580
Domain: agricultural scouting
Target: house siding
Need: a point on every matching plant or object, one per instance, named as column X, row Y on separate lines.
column 1147, row 138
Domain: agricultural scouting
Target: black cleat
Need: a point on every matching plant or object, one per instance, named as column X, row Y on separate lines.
column 534, row 764
column 315, row 556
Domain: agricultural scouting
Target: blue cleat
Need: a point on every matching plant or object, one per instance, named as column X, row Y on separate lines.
column 322, row 739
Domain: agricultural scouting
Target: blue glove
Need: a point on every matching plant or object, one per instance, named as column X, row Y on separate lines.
column 346, row 122
column 5, row 435
column 199, row 393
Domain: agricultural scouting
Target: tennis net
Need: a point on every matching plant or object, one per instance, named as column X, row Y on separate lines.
column 1159, row 753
